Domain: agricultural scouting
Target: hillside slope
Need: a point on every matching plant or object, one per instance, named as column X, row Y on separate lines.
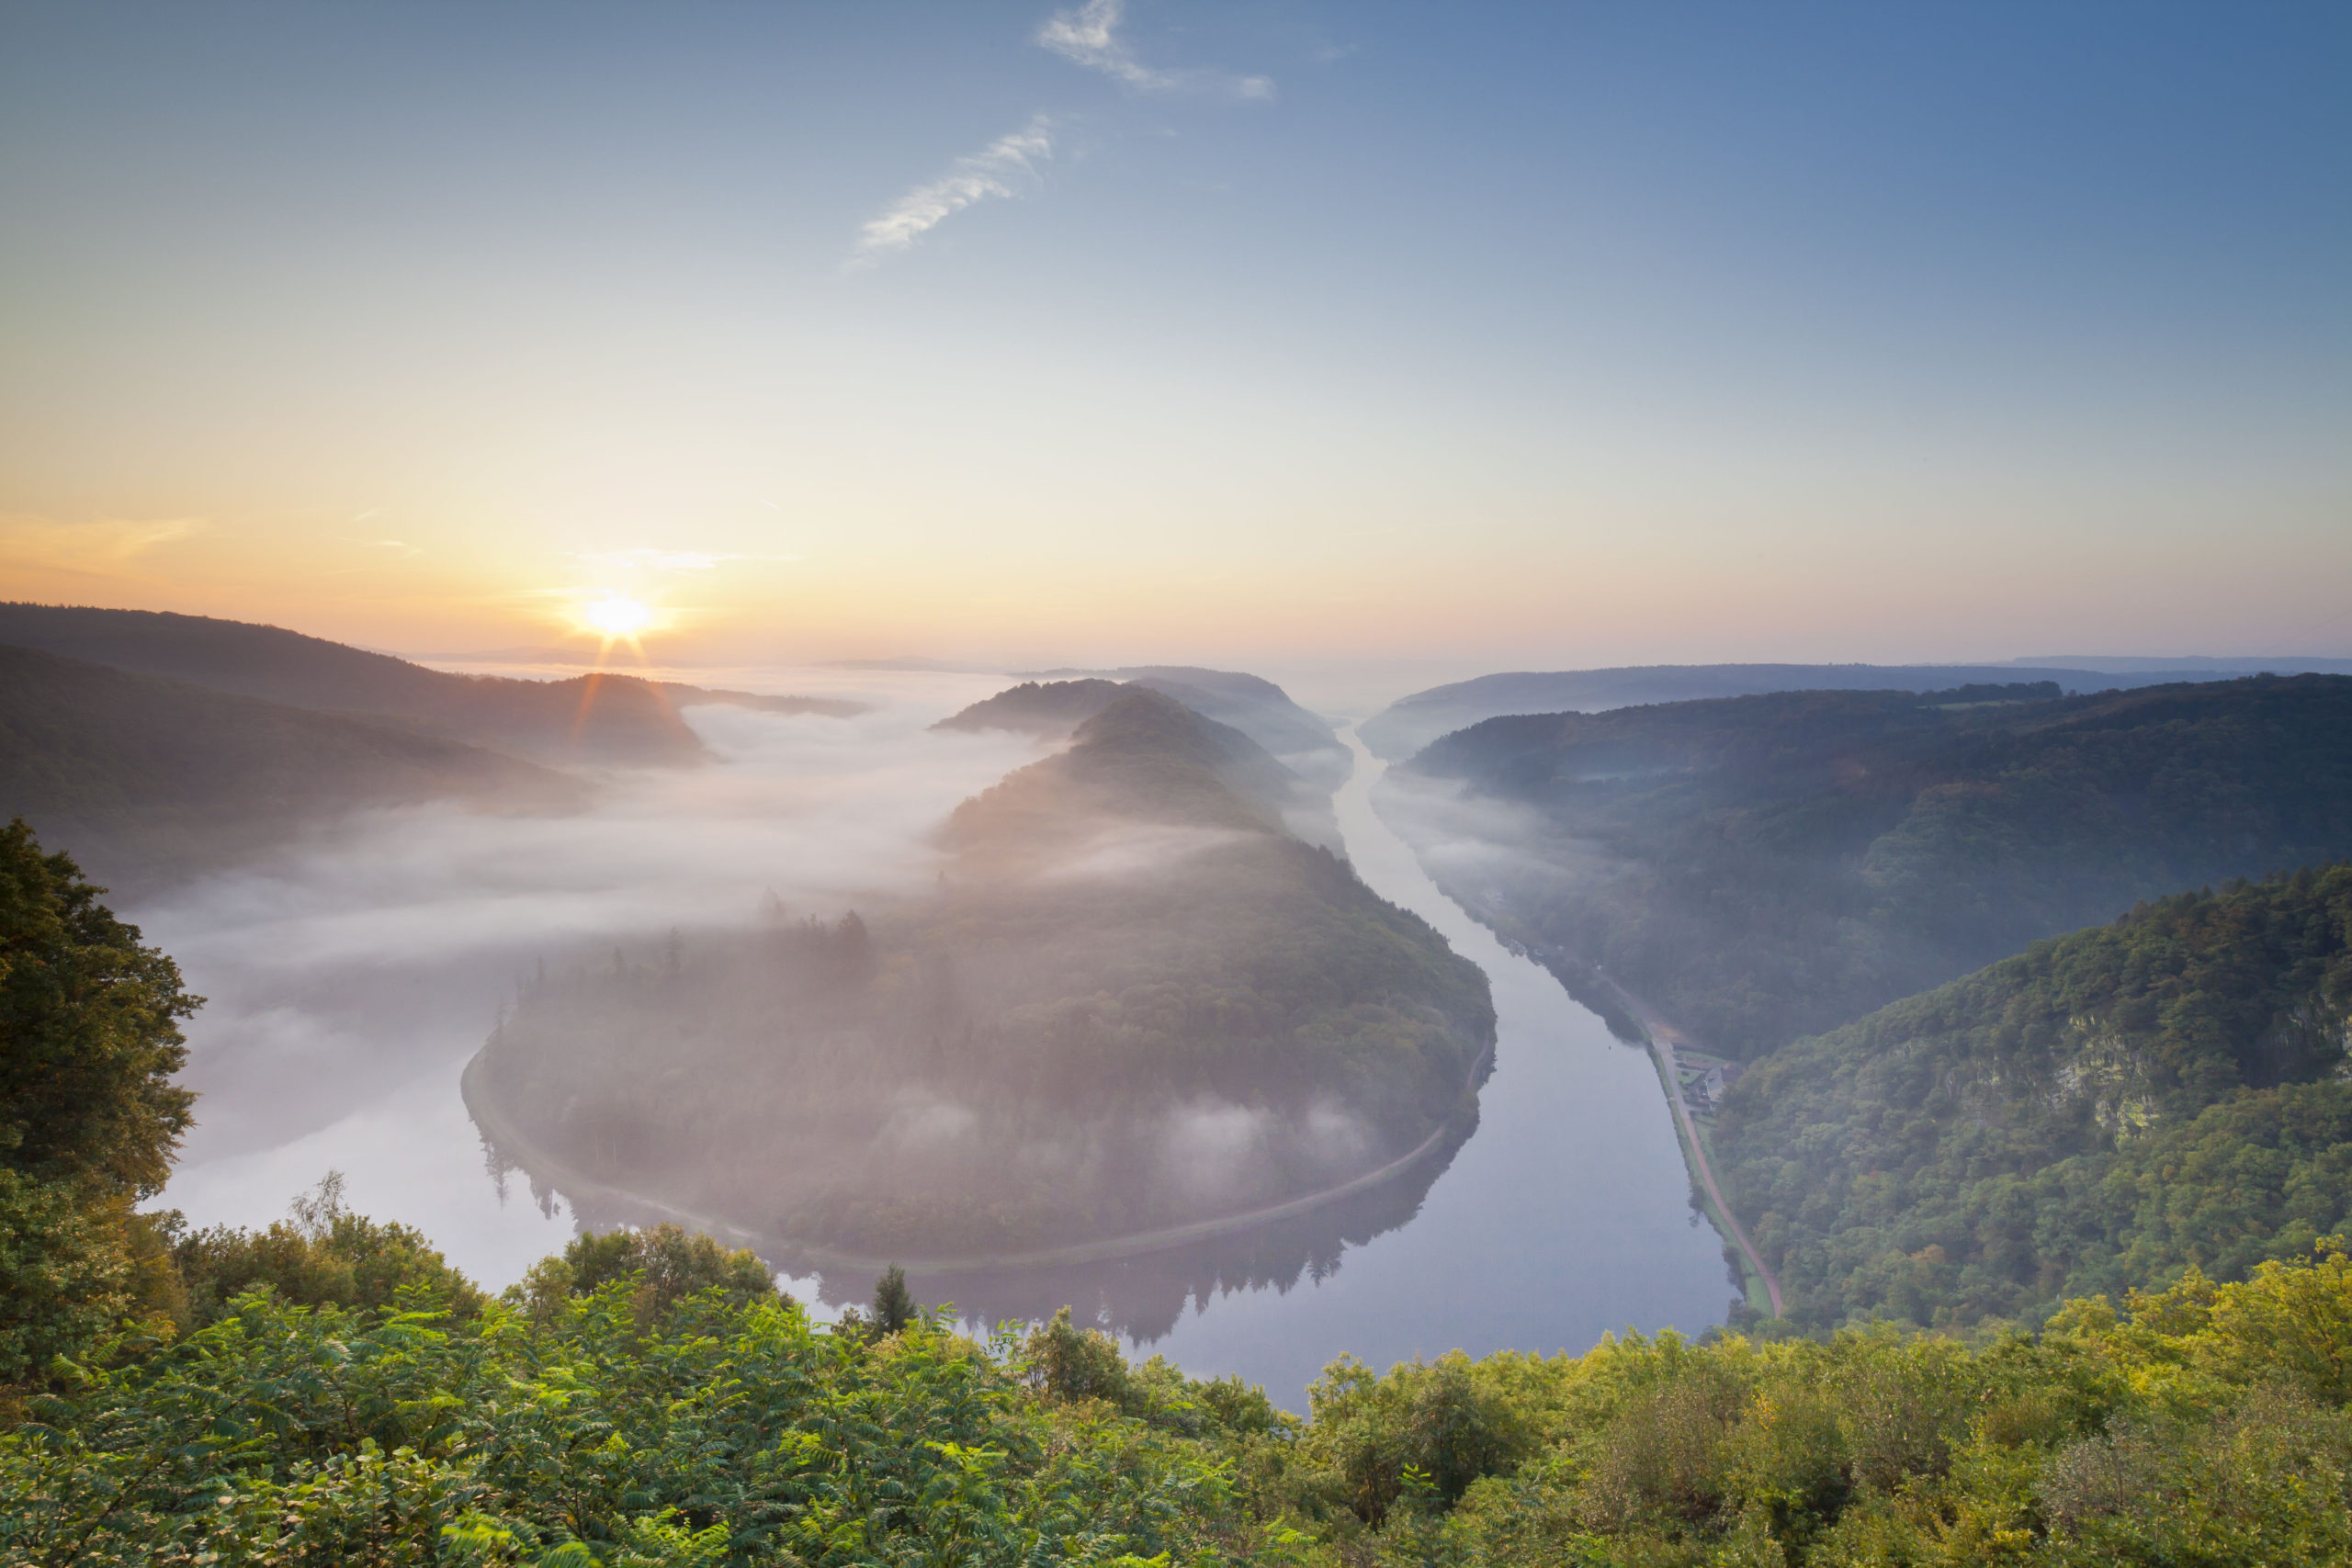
column 1298, row 802
column 142, row 779
column 1047, row 709
column 1771, row 866
column 1412, row 722
column 2100, row 1112
column 600, row 717
column 1250, row 704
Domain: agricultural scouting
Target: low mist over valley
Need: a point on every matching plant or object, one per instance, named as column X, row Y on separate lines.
column 1135, row 1001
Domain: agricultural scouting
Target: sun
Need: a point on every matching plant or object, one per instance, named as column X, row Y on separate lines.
column 616, row 618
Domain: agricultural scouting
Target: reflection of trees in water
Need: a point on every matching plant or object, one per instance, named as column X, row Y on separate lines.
column 1142, row 1297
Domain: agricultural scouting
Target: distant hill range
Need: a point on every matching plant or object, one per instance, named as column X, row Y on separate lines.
column 1250, row 704
column 143, row 779
column 2095, row 1115
column 1132, row 1003
column 1411, row 723
column 606, row 718
column 151, row 745
column 1297, row 785
column 1765, row 867
column 2190, row 666
column 917, row 665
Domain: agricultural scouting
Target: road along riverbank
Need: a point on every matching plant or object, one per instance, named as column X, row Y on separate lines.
column 1664, row 1037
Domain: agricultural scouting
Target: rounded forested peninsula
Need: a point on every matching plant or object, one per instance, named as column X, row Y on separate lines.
column 1136, row 1003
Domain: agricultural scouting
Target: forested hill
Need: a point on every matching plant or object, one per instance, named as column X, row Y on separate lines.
column 144, row 778
column 1049, row 709
column 1250, row 704
column 605, row 718
column 1133, row 1000
column 1766, row 867
column 1142, row 756
column 1412, row 722
column 1242, row 761
column 2100, row 1112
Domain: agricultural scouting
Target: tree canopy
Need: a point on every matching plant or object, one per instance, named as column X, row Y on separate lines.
column 89, row 1113
column 2103, row 1110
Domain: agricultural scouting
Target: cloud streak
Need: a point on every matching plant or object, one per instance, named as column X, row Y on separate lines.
column 1089, row 37
column 106, row 546
column 665, row 561
column 1003, row 168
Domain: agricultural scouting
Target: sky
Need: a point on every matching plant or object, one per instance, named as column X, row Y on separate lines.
column 1485, row 336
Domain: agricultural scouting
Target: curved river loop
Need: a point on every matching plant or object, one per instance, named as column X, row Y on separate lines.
column 1564, row 1212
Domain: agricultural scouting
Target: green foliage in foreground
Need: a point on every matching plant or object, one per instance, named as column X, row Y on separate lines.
column 322, row 1254
column 2207, row 1428
column 732, row 1434
column 2204, row 1425
column 2101, row 1111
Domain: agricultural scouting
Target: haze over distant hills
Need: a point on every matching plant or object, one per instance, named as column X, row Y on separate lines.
column 2234, row 664
column 600, row 719
column 1767, row 866
column 151, row 746
column 1252, row 705
column 916, row 663
column 1309, row 758
column 143, row 779
column 1412, row 722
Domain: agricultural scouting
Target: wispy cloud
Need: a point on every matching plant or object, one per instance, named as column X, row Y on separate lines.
column 1003, row 168
column 1089, row 36
column 108, row 546
column 663, row 560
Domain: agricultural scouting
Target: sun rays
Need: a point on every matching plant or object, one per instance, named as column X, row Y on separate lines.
column 617, row 619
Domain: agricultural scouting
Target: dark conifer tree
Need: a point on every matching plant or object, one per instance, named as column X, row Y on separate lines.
column 894, row 1304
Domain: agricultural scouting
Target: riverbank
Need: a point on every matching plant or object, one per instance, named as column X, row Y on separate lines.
column 1663, row 1039
column 551, row 1170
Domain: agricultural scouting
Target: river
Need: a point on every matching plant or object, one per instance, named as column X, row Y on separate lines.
column 1565, row 1216
column 351, row 981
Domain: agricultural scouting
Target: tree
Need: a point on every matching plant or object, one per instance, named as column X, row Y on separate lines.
column 667, row 1263
column 89, row 1116
column 90, row 1020
column 322, row 1254
column 1069, row 1362
column 894, row 1304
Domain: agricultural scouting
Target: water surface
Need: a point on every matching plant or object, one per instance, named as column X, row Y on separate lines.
column 1565, row 1215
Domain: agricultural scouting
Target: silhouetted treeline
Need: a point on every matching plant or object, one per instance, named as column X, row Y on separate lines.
column 602, row 717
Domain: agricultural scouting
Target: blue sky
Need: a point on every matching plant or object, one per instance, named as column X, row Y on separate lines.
column 1497, row 334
